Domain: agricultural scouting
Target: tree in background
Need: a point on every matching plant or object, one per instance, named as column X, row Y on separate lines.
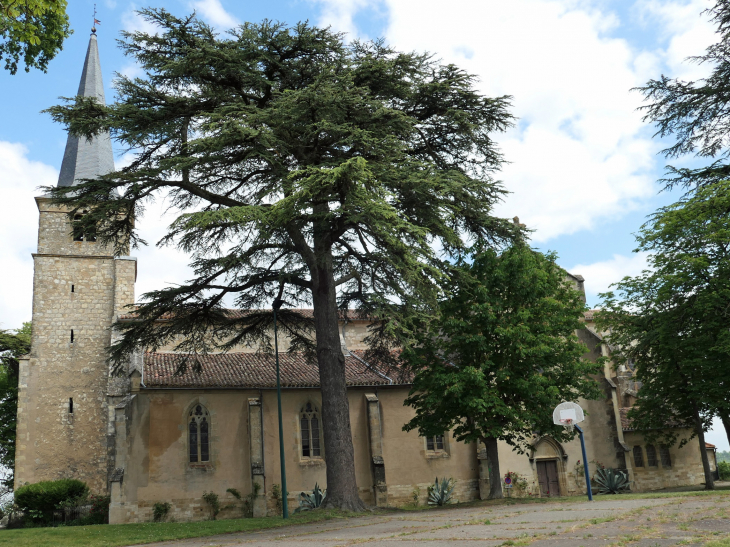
column 304, row 170
column 673, row 319
column 32, row 30
column 13, row 344
column 696, row 116
column 501, row 355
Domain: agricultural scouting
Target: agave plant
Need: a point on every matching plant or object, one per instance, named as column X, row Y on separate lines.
column 307, row 502
column 611, row 481
column 440, row 494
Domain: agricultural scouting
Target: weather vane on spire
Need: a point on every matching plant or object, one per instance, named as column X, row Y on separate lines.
column 96, row 22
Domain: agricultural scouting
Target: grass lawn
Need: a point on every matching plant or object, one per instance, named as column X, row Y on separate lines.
column 114, row 535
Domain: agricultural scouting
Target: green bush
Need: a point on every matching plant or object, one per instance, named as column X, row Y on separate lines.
column 49, row 495
column 724, row 470
column 160, row 510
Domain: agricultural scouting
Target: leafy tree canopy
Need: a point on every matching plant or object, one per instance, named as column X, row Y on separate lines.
column 32, row 31
column 502, row 353
column 303, row 169
column 672, row 319
column 13, row 344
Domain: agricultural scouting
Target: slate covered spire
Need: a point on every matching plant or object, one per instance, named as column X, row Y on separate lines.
column 88, row 159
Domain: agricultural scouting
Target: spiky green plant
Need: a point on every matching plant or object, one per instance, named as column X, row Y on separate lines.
column 440, row 494
column 611, row 481
column 307, row 502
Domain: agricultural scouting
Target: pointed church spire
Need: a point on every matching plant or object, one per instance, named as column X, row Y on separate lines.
column 88, row 159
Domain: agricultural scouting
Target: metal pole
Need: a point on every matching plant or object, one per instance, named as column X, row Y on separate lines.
column 585, row 462
column 285, row 505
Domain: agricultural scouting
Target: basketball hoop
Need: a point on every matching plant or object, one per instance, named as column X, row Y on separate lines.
column 568, row 424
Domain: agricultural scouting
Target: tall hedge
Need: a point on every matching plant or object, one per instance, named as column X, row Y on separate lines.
column 47, row 495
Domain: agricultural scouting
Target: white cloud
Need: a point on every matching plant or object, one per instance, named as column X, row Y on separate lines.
column 340, row 14
column 581, row 153
column 213, row 12
column 19, row 181
column 600, row 275
column 687, row 32
column 132, row 21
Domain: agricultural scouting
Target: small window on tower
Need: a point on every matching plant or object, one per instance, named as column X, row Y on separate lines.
column 72, row 336
column 81, row 232
column 71, row 405
column 78, row 232
column 72, row 288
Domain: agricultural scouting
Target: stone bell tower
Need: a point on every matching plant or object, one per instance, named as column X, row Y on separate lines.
column 79, row 288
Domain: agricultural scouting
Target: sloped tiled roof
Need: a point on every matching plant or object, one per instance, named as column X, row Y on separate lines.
column 251, row 370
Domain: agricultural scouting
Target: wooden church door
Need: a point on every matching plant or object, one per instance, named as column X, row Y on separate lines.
column 547, row 477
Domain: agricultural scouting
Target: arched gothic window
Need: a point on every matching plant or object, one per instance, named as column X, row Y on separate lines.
column 309, row 424
column 651, row 460
column 199, row 434
column 638, row 457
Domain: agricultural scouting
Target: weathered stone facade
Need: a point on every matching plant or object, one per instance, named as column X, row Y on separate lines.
column 63, row 407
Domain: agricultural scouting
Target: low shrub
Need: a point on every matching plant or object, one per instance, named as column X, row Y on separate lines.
column 723, row 469
column 211, row 498
column 307, row 502
column 160, row 510
column 440, row 493
column 49, row 495
column 611, row 481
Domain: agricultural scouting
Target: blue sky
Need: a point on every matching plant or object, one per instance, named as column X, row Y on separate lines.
column 583, row 165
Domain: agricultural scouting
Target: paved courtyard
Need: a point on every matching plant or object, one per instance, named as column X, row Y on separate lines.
column 612, row 521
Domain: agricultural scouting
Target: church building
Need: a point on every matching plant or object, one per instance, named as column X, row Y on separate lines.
column 157, row 436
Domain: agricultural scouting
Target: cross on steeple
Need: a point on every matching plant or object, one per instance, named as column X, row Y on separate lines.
column 96, row 22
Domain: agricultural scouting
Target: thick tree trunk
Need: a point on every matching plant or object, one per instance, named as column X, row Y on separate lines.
column 338, row 449
column 495, row 477
column 709, row 480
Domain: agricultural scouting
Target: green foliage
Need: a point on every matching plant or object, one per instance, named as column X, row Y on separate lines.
column 723, row 468
column 276, row 494
column 211, row 499
column 416, row 495
column 13, row 344
column 32, row 30
column 672, row 319
column 248, row 500
column 305, row 169
column 723, row 456
column 311, row 501
column 611, row 481
column 49, row 495
column 440, row 493
column 160, row 510
column 502, row 353
column 399, row 147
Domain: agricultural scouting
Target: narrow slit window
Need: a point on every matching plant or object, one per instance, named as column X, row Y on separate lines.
column 70, row 405
column 72, row 288
column 72, row 336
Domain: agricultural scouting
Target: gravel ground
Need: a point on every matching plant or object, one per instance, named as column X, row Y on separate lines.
column 606, row 521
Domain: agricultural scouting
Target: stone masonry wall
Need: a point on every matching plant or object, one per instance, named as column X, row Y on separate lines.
column 73, row 290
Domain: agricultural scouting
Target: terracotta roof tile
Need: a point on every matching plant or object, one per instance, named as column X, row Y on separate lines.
column 251, row 370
